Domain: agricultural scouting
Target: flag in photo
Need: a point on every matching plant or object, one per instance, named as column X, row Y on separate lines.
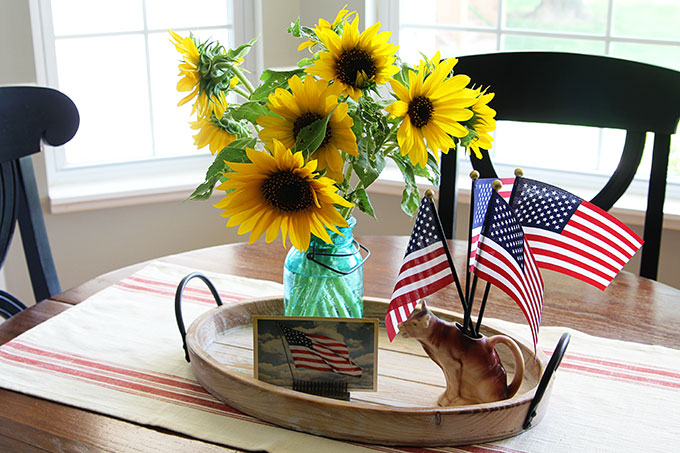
column 424, row 270
column 481, row 194
column 572, row 236
column 505, row 260
column 319, row 352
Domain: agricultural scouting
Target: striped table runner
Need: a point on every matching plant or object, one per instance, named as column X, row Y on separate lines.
column 119, row 353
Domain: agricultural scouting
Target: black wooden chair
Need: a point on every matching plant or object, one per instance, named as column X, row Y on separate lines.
column 584, row 90
column 28, row 115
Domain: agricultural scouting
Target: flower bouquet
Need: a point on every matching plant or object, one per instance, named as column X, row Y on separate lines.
column 297, row 153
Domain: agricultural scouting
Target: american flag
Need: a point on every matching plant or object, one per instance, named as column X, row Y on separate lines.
column 319, row 352
column 572, row 236
column 506, row 261
column 424, row 270
column 481, row 194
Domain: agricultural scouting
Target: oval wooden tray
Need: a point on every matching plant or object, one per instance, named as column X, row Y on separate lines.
column 403, row 411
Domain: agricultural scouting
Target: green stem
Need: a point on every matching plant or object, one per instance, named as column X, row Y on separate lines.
column 239, row 75
column 241, row 92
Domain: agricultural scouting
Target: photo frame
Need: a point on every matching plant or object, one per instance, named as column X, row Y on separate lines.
column 311, row 349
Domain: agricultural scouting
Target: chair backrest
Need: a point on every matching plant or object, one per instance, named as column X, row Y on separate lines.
column 587, row 90
column 29, row 114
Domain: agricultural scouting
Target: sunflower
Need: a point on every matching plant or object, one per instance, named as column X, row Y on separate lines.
column 483, row 122
column 191, row 80
column 307, row 102
column 188, row 71
column 211, row 132
column 324, row 24
column 354, row 60
column 278, row 191
column 432, row 107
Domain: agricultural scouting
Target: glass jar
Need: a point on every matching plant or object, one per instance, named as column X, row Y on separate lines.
column 327, row 279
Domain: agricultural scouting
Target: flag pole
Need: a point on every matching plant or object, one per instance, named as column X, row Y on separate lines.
column 518, row 174
column 474, row 175
column 429, row 194
column 285, row 350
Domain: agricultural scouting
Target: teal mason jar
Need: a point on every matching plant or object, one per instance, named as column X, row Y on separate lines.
column 326, row 279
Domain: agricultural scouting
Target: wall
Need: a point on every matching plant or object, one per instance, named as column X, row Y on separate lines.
column 89, row 243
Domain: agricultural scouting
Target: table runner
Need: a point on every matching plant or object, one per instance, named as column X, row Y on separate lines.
column 119, row 353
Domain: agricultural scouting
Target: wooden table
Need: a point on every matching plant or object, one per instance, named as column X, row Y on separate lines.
column 632, row 308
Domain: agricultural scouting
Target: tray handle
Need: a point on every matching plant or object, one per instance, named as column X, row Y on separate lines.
column 178, row 302
column 554, row 362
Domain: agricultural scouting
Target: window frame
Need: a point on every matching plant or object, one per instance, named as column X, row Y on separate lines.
column 587, row 184
column 72, row 188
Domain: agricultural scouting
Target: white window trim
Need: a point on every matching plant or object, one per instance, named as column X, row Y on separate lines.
column 128, row 183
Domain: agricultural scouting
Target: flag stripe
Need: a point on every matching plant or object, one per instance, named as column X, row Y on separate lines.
column 496, row 262
column 611, row 223
column 599, row 236
column 577, row 244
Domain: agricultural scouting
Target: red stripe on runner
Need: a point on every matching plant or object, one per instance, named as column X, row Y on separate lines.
column 233, row 295
column 122, row 284
column 620, row 376
column 119, row 383
column 100, row 366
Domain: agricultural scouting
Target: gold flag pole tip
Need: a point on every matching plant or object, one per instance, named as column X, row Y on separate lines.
column 497, row 185
column 474, row 175
column 429, row 193
column 518, row 172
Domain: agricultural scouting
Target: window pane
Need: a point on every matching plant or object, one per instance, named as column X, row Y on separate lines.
column 585, row 16
column 569, row 148
column 667, row 56
column 77, row 17
column 674, row 160
column 516, row 42
column 164, row 14
column 647, row 18
column 172, row 134
column 450, row 43
column 471, row 13
column 101, row 76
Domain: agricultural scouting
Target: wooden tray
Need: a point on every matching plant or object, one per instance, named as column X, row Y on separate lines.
column 402, row 412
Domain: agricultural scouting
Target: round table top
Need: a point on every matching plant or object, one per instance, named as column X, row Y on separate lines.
column 632, row 308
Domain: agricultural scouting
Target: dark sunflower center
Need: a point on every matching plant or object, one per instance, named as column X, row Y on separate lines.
column 305, row 120
column 420, row 111
column 353, row 62
column 287, row 191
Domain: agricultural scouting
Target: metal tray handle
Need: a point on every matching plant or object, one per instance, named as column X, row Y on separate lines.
column 554, row 362
column 178, row 302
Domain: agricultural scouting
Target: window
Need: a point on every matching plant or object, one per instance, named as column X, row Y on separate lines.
column 643, row 30
column 116, row 61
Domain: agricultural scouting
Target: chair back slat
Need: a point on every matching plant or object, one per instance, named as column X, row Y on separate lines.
column 586, row 90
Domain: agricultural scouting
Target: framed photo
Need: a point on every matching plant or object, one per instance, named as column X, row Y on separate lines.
column 316, row 349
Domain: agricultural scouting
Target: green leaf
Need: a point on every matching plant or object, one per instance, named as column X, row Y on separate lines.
column 240, row 51
column 250, row 111
column 410, row 200
column 363, row 202
column 203, row 191
column 311, row 136
column 367, row 164
column 294, row 28
column 234, row 152
column 305, row 62
column 271, row 81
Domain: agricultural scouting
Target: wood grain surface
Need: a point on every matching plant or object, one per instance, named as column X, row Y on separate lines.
column 632, row 309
